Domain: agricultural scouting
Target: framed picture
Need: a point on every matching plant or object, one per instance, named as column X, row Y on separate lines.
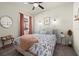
column 47, row 20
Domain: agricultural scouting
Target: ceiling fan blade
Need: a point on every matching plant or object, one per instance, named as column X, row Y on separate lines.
column 40, row 2
column 41, row 7
column 31, row 2
column 33, row 8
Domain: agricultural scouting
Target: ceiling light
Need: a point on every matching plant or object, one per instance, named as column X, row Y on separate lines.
column 35, row 5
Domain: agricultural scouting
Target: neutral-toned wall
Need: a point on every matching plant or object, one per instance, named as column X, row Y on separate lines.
column 12, row 11
column 63, row 15
column 76, row 28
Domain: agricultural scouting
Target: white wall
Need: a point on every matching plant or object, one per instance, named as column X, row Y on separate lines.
column 76, row 28
column 12, row 11
column 63, row 14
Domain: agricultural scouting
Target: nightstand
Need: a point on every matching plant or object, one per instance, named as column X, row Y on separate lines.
column 63, row 40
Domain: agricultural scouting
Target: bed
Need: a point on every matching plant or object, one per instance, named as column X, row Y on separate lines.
column 44, row 47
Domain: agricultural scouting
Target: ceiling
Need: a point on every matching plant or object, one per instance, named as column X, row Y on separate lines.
column 28, row 7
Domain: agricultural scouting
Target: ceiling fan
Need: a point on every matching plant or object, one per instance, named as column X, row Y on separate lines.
column 36, row 4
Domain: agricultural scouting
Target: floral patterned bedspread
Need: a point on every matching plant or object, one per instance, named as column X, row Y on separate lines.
column 45, row 46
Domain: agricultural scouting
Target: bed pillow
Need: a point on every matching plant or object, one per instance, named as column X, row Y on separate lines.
column 26, row 41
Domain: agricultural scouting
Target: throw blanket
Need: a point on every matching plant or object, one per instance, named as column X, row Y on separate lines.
column 45, row 46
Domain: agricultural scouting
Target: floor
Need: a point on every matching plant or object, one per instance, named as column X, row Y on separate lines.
column 9, row 50
column 60, row 50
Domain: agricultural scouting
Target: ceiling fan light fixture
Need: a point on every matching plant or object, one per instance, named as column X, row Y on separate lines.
column 35, row 5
